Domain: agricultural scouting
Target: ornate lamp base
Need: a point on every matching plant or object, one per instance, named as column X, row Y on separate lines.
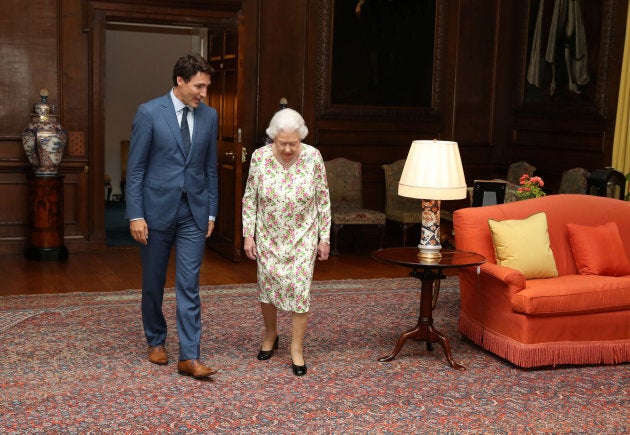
column 429, row 247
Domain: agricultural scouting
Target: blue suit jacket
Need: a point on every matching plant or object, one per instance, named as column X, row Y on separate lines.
column 158, row 170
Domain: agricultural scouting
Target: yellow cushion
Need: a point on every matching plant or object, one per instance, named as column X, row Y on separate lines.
column 524, row 245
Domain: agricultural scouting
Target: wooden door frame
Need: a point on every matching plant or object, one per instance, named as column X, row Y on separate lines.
column 226, row 238
column 96, row 15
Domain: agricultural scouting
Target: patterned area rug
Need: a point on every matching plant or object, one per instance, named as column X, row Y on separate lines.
column 77, row 364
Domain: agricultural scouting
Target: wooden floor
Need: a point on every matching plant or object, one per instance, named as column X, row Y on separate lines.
column 118, row 268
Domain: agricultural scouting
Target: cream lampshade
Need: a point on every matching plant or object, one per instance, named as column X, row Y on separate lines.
column 433, row 172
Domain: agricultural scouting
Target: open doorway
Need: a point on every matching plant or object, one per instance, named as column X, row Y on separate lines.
column 138, row 63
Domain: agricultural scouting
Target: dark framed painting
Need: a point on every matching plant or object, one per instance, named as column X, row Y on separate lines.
column 379, row 57
column 382, row 52
column 566, row 58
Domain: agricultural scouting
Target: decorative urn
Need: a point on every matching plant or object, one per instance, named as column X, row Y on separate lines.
column 44, row 139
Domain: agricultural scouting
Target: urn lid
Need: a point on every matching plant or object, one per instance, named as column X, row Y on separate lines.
column 42, row 108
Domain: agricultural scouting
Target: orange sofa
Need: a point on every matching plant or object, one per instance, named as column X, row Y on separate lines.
column 572, row 318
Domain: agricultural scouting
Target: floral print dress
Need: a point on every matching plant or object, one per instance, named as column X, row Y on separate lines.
column 287, row 211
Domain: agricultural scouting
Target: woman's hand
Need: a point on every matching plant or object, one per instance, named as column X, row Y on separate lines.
column 250, row 248
column 323, row 250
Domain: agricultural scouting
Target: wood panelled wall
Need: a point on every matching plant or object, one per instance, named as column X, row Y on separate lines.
column 479, row 93
column 43, row 46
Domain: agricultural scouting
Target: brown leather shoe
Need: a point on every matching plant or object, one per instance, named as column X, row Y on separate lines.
column 192, row 367
column 158, row 355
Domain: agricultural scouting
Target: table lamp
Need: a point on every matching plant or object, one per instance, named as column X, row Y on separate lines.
column 433, row 172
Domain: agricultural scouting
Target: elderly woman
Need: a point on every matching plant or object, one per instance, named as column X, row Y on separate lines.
column 286, row 225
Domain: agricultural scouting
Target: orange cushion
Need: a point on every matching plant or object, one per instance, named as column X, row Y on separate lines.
column 598, row 250
column 572, row 294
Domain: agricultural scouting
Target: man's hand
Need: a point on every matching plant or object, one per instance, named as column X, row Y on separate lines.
column 210, row 228
column 139, row 231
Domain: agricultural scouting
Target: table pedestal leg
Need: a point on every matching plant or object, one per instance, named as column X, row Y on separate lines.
column 424, row 330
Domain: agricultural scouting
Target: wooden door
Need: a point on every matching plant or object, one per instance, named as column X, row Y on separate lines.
column 223, row 56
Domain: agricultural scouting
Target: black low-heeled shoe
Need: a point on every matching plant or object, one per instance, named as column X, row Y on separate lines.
column 266, row 354
column 298, row 370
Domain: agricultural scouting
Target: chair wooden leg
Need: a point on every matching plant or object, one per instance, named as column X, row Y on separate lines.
column 404, row 228
column 381, row 236
column 336, row 228
column 355, row 229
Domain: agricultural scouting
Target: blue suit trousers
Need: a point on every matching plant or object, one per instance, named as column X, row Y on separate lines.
column 189, row 242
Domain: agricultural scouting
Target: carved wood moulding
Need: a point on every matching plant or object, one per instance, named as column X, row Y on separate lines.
column 188, row 12
column 326, row 109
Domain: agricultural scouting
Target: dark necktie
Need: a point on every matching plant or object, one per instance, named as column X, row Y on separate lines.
column 185, row 130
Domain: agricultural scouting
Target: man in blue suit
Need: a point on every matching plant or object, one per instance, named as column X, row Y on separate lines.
column 172, row 200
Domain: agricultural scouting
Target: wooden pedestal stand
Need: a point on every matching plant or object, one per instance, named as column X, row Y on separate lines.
column 45, row 216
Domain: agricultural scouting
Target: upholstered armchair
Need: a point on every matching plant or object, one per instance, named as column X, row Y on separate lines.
column 406, row 211
column 346, row 198
column 574, row 181
column 515, row 171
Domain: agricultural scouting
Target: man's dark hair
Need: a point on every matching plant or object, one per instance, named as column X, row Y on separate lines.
column 188, row 66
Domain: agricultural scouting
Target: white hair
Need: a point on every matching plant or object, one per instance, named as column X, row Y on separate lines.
column 288, row 121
